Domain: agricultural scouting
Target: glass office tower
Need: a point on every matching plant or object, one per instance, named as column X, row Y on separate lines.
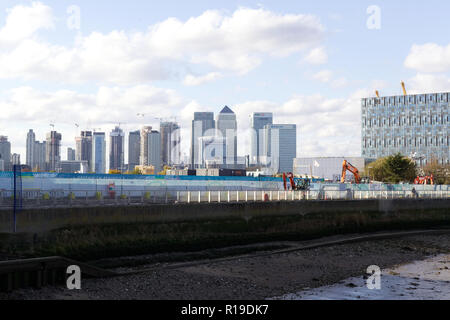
column 416, row 126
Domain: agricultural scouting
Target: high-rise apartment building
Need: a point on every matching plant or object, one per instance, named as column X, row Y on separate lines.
column 143, row 158
column 53, row 151
column 134, row 149
column 70, row 154
column 31, row 139
column 35, row 152
column 202, row 125
column 83, row 147
column 227, row 128
column 170, row 143
column 5, row 153
column 98, row 164
column 116, row 149
column 258, row 121
column 280, row 147
column 417, row 126
column 150, row 148
column 39, row 156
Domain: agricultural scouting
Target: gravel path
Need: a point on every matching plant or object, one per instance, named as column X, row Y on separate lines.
column 254, row 278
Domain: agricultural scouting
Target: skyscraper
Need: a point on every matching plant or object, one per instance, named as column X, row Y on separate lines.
column 227, row 128
column 31, row 139
column 35, row 152
column 143, row 157
column 116, row 149
column 258, row 121
column 202, row 125
column 170, row 143
column 98, row 153
column 134, row 149
column 70, row 154
column 150, row 148
column 5, row 153
column 39, row 156
column 84, row 148
column 53, row 152
column 280, row 147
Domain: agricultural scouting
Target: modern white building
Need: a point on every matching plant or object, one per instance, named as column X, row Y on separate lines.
column 280, row 147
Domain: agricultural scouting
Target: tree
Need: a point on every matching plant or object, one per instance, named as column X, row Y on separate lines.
column 115, row 172
column 440, row 172
column 400, row 169
column 392, row 169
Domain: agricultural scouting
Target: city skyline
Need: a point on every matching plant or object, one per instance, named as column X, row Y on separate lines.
column 314, row 77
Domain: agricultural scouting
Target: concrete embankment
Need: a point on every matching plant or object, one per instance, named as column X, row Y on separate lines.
column 90, row 233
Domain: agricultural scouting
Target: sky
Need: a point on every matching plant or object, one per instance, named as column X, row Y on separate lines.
column 96, row 64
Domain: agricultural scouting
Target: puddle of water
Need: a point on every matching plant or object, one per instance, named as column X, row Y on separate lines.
column 421, row 280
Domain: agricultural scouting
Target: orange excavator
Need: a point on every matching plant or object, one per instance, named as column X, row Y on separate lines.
column 302, row 185
column 424, row 180
column 289, row 176
column 346, row 166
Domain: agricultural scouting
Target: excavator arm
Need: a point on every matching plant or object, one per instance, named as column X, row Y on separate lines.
column 346, row 166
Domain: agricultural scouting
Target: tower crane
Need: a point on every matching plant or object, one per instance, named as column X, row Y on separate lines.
column 404, row 88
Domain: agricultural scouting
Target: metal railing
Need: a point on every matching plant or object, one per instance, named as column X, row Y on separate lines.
column 85, row 198
column 252, row 196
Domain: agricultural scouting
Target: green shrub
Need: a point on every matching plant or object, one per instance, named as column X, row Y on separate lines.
column 147, row 196
column 123, row 196
column 98, row 195
column 46, row 196
column 72, row 196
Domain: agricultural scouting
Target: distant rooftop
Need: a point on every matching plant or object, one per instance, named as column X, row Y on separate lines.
column 226, row 110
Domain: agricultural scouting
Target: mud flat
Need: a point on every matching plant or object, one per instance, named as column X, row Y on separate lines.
column 427, row 279
column 277, row 275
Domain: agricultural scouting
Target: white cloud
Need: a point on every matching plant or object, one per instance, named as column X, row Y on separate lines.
column 191, row 80
column 323, row 76
column 340, row 82
column 429, row 57
column 428, row 83
column 23, row 22
column 236, row 43
column 317, row 56
column 325, row 127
